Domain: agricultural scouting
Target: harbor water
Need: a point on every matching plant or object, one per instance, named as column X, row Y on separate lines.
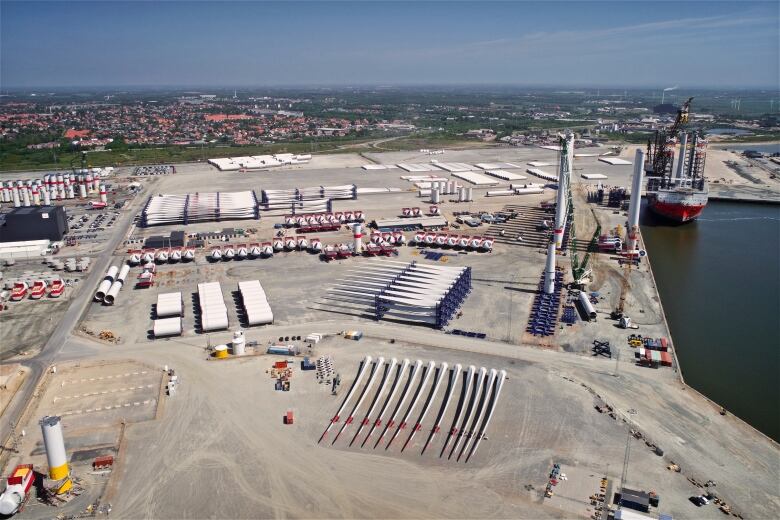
column 719, row 282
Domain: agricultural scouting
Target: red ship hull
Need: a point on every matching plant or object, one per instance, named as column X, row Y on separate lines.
column 676, row 212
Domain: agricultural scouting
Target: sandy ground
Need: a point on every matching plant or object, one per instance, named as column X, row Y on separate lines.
column 219, row 446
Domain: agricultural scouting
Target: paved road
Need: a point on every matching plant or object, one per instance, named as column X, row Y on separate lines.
column 71, row 318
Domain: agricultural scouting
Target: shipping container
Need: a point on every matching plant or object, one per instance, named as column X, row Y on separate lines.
column 103, row 462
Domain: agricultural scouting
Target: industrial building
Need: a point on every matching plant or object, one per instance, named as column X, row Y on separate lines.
column 34, row 223
column 175, row 239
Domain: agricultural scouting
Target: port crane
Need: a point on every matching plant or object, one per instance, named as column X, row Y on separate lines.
column 659, row 149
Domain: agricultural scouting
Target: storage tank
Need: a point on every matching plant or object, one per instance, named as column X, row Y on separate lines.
column 46, row 197
column 239, row 343
column 220, row 351
column 54, row 443
column 469, row 194
column 435, row 196
column 82, row 190
column 103, row 195
column 461, row 194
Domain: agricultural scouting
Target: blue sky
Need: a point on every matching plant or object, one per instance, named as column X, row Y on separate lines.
column 620, row 43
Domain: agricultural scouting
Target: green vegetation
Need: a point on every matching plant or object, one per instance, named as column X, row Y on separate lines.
column 23, row 159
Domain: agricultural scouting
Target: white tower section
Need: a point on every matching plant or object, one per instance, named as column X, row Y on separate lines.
column 53, row 441
column 678, row 175
column 358, row 236
column 636, row 202
column 549, row 270
column 564, row 176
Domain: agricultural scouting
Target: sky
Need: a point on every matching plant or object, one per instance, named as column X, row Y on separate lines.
column 625, row 43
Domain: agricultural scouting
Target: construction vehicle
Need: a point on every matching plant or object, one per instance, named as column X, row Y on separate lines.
column 17, row 489
column 619, row 313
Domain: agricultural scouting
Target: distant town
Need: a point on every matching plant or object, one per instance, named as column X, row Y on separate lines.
column 46, row 129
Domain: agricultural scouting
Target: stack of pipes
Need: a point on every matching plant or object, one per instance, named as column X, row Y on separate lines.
column 113, row 291
column 105, row 285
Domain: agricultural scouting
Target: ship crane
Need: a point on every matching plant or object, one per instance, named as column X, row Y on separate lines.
column 661, row 148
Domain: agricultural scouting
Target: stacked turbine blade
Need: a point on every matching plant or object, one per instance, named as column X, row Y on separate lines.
column 256, row 306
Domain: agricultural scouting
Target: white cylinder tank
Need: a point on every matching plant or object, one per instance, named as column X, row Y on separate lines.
column 358, row 236
column 435, row 198
column 549, row 270
column 590, row 312
column 112, row 272
column 53, row 441
column 239, row 343
column 469, row 194
column 112, row 293
column 123, row 273
column 103, row 288
column 46, row 197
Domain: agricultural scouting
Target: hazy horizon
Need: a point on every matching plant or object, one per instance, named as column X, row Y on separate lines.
column 180, row 45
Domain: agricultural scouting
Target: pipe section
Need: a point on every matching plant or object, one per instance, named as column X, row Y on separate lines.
column 636, row 201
